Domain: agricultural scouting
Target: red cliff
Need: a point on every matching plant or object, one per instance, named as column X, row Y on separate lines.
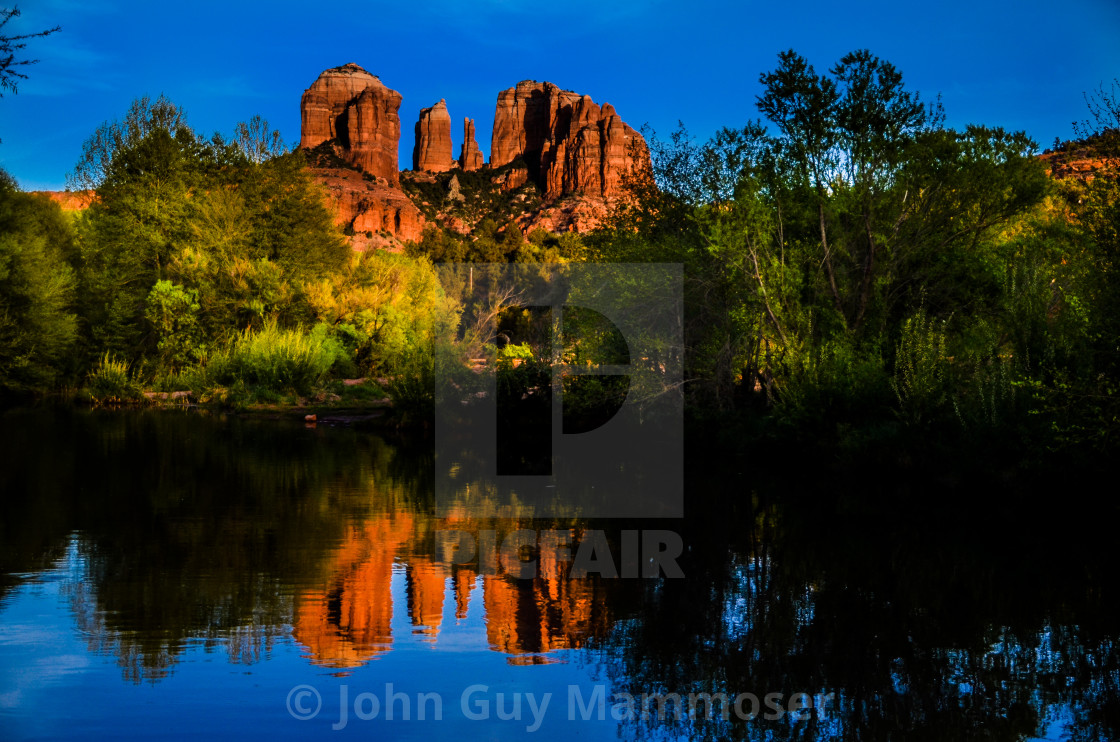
column 432, row 151
column 470, row 156
column 570, row 145
column 351, row 106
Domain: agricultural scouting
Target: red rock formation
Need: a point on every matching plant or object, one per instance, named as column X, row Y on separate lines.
column 470, row 156
column 369, row 209
column 569, row 144
column 583, row 214
column 1082, row 166
column 349, row 104
column 69, row 200
column 575, row 152
column 432, row 151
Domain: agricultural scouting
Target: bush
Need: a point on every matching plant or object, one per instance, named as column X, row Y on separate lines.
column 920, row 380
column 275, row 359
column 412, row 389
column 837, row 382
column 111, row 383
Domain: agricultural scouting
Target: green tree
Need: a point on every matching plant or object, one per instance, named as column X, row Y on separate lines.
column 173, row 312
column 99, row 151
column 37, row 323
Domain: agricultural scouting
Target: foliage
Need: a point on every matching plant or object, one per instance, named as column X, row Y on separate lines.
column 173, row 313
column 921, row 370
column 381, row 307
column 275, row 359
column 856, row 266
column 110, row 382
column 241, row 226
column 37, row 323
column 412, row 388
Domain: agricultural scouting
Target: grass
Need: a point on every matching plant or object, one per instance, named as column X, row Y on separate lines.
column 111, row 383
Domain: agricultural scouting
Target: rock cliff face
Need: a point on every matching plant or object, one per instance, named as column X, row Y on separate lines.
column 374, row 214
column 570, row 145
column 352, row 106
column 1080, row 165
column 432, row 151
column 470, row 156
column 571, row 156
column 70, row 200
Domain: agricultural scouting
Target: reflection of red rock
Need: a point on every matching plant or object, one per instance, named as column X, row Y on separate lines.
column 432, row 151
column 349, row 621
column 531, row 617
column 427, row 583
column 463, row 583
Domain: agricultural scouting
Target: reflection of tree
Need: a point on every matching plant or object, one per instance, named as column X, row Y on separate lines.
column 190, row 529
column 929, row 616
column 180, row 530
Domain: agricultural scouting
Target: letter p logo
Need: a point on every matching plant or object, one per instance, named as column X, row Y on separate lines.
column 588, row 420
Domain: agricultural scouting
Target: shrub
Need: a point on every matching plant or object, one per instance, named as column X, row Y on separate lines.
column 110, row 382
column 276, row 359
column 412, row 389
column 920, row 380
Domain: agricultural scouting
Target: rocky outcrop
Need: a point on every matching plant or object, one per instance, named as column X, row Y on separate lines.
column 570, row 145
column 432, row 151
column 352, row 106
column 558, row 160
column 69, row 200
column 1079, row 165
column 470, row 156
column 375, row 215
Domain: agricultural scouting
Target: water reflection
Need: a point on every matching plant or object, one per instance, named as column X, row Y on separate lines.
column 925, row 612
column 189, row 528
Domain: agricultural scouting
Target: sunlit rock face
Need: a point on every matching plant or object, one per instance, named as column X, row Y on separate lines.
column 432, row 151
column 570, row 144
column 575, row 154
column 375, row 213
column 355, row 108
column 470, row 156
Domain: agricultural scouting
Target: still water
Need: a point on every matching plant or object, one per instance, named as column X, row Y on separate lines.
column 180, row 575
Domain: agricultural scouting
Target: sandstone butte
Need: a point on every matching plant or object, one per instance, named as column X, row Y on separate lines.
column 570, row 145
column 470, row 156
column 357, row 114
column 351, row 106
column 432, row 151
column 573, row 151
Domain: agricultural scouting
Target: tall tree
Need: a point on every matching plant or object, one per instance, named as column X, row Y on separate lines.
column 37, row 324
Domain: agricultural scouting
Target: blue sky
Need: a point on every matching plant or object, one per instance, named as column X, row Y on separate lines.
column 1020, row 65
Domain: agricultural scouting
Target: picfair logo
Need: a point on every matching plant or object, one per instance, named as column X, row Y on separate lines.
column 581, row 412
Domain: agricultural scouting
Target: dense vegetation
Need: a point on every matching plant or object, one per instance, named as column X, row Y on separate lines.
column 856, row 273
column 210, row 266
